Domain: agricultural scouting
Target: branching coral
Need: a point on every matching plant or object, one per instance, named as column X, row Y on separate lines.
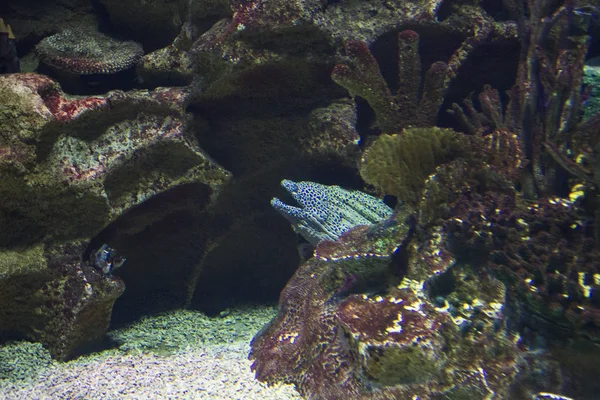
column 544, row 108
column 418, row 98
column 493, row 131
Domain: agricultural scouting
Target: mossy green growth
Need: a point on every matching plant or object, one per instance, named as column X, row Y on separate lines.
column 175, row 331
column 21, row 117
column 21, row 361
column 25, row 261
column 399, row 164
column 37, row 206
column 403, row 366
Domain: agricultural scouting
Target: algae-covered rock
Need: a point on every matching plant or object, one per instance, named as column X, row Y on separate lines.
column 23, row 113
column 399, row 164
column 95, row 157
column 71, row 166
column 170, row 66
column 49, row 295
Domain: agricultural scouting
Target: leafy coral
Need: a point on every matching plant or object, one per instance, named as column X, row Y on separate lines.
column 399, row 164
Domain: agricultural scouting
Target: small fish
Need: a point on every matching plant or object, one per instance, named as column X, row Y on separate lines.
column 107, row 260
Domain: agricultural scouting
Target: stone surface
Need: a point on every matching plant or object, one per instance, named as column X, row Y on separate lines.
column 99, row 155
column 49, row 295
column 72, row 167
column 170, row 66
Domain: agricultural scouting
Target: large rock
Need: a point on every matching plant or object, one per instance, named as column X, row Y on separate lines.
column 49, row 295
column 72, row 167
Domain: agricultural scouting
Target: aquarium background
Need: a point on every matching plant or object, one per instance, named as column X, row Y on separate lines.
column 353, row 199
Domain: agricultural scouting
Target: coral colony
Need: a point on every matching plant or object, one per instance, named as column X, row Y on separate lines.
column 482, row 283
column 472, row 223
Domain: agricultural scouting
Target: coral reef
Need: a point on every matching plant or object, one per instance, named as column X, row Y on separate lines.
column 333, row 343
column 539, row 249
column 478, row 251
column 328, row 211
column 422, row 301
column 302, row 344
column 545, row 103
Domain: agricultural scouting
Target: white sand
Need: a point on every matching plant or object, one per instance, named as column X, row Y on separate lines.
column 175, row 355
column 219, row 372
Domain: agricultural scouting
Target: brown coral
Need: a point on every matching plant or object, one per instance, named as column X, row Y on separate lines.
column 419, row 95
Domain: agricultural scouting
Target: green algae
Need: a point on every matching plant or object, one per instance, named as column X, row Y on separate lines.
column 175, row 331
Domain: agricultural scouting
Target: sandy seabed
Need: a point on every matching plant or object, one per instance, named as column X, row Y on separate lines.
column 180, row 354
column 220, row 372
